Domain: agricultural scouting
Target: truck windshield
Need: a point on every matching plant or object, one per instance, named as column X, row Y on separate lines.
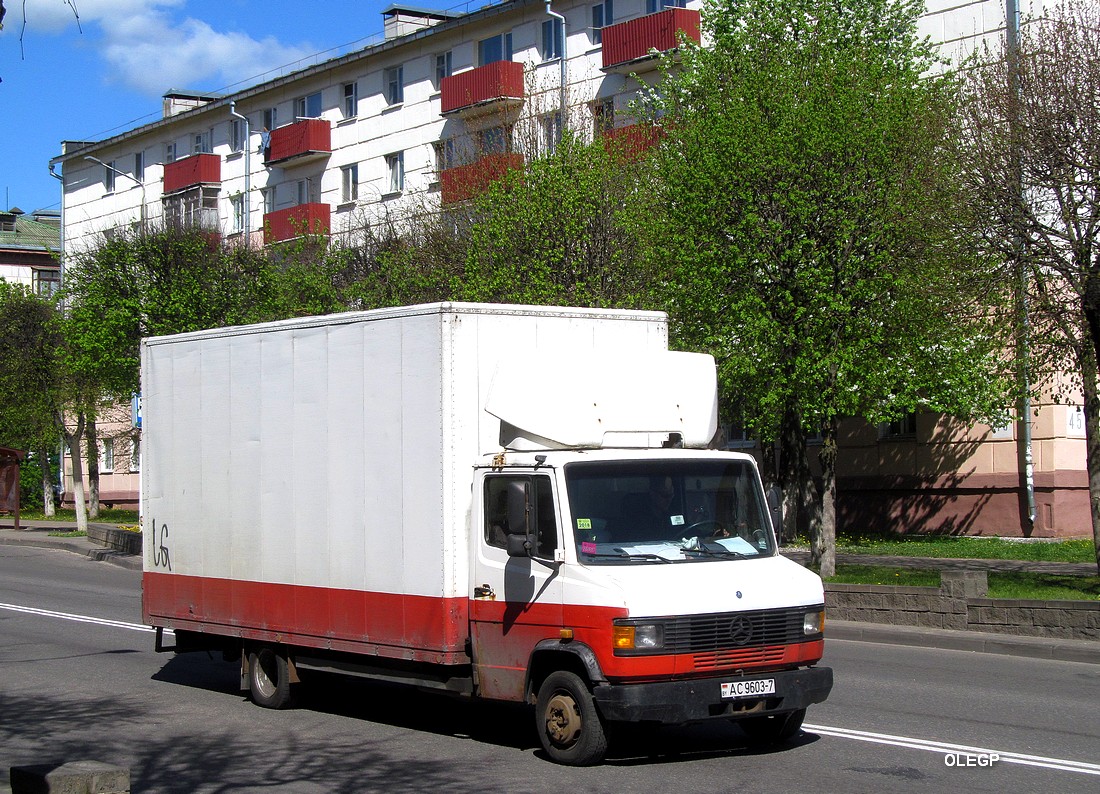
column 630, row 512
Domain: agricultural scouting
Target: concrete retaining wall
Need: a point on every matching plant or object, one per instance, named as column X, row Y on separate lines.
column 117, row 539
column 960, row 603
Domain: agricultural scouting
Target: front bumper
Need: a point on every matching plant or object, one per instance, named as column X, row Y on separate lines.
column 677, row 702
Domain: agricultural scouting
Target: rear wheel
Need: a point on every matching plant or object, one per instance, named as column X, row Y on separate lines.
column 569, row 726
column 269, row 678
column 774, row 729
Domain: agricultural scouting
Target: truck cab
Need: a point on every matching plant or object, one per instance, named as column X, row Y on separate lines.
column 638, row 585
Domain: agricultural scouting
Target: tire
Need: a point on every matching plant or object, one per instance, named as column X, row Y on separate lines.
column 569, row 726
column 269, row 678
column 776, row 729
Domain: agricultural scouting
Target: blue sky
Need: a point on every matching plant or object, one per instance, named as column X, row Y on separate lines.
column 88, row 69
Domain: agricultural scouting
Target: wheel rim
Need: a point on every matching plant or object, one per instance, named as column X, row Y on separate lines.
column 563, row 720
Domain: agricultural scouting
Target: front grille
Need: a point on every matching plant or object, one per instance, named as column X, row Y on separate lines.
column 725, row 635
column 742, row 658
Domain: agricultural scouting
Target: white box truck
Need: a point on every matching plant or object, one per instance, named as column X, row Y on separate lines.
column 507, row 502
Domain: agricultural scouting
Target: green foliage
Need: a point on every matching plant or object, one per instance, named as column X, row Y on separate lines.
column 815, row 240
column 564, row 231
column 33, row 380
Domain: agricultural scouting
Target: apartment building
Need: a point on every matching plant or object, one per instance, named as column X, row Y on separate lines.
column 441, row 105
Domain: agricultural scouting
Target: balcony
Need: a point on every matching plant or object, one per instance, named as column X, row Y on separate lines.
column 632, row 141
column 301, row 142
column 629, row 46
column 296, row 222
column 198, row 169
column 466, row 181
column 495, row 86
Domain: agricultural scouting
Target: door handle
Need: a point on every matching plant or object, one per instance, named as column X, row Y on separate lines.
column 484, row 591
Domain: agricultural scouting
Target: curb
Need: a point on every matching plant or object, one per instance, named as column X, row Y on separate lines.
column 1084, row 651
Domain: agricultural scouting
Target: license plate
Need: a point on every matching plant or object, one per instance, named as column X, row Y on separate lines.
column 749, row 689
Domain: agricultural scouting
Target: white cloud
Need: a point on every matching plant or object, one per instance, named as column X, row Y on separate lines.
column 149, row 45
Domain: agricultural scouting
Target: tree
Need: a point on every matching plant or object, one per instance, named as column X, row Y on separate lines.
column 817, row 239
column 563, row 231
column 1031, row 127
column 30, row 378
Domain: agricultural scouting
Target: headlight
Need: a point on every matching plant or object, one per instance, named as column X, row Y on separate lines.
column 649, row 637
column 813, row 622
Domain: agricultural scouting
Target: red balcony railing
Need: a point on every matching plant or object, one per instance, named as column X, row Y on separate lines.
column 198, row 169
column 296, row 222
column 485, row 87
column 466, row 181
column 303, row 140
column 633, row 140
column 635, row 39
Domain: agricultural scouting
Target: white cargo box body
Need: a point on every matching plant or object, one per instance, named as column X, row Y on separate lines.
column 308, row 481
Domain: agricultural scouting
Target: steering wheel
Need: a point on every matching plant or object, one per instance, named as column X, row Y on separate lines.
column 699, row 529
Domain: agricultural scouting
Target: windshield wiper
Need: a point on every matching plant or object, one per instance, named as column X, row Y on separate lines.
column 709, row 550
column 627, row 556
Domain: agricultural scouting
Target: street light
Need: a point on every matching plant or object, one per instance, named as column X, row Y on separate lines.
column 131, row 177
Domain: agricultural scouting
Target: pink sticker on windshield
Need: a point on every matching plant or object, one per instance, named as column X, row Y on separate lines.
column 588, row 547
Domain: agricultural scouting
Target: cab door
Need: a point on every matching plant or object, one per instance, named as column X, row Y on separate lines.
column 516, row 601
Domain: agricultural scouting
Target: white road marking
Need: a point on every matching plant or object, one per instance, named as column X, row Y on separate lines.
column 117, row 624
column 1003, row 756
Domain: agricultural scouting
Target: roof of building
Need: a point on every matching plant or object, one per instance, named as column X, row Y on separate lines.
column 446, row 22
column 27, row 233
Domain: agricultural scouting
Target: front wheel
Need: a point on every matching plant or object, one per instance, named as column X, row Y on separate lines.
column 269, row 678
column 775, row 729
column 569, row 726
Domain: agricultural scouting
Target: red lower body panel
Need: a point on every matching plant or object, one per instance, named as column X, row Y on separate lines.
column 419, row 628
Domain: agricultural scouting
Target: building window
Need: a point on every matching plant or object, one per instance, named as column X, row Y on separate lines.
column 395, row 167
column 442, row 68
column 603, row 116
column 46, row 283
column 308, row 107
column 139, row 166
column 549, row 132
column 395, row 85
column 553, row 39
column 237, row 204
column 602, row 16
column 135, row 454
column 271, row 118
column 653, row 6
column 351, row 100
column 268, row 194
column 107, row 455
column 304, row 190
column 903, row 427
column 109, row 177
column 200, row 143
column 495, row 140
column 350, row 183
column 195, row 207
column 236, row 135
column 170, row 152
column 495, row 48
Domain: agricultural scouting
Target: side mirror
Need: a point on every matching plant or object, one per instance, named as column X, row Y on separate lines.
column 518, row 545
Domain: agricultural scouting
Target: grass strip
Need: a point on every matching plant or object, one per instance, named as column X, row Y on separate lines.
column 1013, row 585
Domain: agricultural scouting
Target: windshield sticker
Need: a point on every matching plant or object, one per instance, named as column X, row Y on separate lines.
column 588, row 547
column 584, row 523
column 677, row 521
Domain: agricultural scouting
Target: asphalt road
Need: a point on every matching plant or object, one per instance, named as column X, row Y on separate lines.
column 79, row 680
